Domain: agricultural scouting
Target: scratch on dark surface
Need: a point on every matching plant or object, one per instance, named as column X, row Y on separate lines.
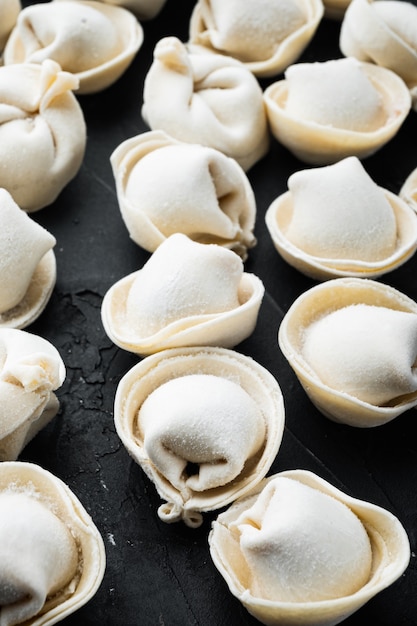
column 100, row 180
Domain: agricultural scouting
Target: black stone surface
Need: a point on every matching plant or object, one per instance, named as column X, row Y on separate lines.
column 159, row 574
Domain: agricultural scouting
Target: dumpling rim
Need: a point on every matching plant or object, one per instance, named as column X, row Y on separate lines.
column 101, row 76
column 74, row 514
column 172, row 363
column 322, row 268
column 37, row 296
column 208, row 329
column 288, row 51
column 320, row 144
column 331, row 295
column 390, row 547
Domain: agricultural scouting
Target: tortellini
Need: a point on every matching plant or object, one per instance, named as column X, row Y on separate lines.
column 94, row 41
column 204, row 423
column 206, row 98
column 336, row 221
column 165, row 186
column 42, row 132
column 385, row 33
column 325, row 111
column 31, row 369
column 352, row 343
column 187, row 293
column 27, row 265
column 296, row 550
column 52, row 556
column 266, row 36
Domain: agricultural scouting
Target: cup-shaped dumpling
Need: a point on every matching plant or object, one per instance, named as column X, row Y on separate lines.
column 42, row 132
column 204, row 423
column 27, row 265
column 336, row 221
column 326, row 111
column 93, row 40
column 352, row 343
column 9, row 11
column 52, row 556
column 296, row 550
column 266, row 36
column 186, row 294
column 206, row 98
column 165, row 186
column 408, row 191
column 384, row 33
column 31, row 369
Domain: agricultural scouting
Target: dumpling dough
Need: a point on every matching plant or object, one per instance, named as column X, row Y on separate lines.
column 204, row 422
column 38, row 556
column 302, row 545
column 339, row 212
column 205, row 98
column 31, row 369
column 369, row 352
column 334, row 93
column 9, row 11
column 165, row 186
column 92, row 40
column 23, row 243
column 42, row 132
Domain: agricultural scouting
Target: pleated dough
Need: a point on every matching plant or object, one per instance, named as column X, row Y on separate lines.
column 9, row 11
column 336, row 221
column 296, row 550
column 384, row 33
column 187, row 293
column 266, row 36
column 26, row 256
column 94, row 41
column 204, row 424
column 31, row 369
column 165, row 186
column 206, row 98
column 352, row 343
column 52, row 556
column 326, row 111
column 42, row 132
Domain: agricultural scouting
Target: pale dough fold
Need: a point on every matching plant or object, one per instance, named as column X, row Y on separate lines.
column 187, row 293
column 326, row 111
column 336, row 221
column 352, row 343
column 26, row 257
column 9, row 11
column 296, row 550
column 385, row 33
column 31, row 369
column 206, row 98
column 92, row 40
column 266, row 36
column 369, row 352
column 204, row 424
column 165, row 186
column 52, row 556
column 42, row 132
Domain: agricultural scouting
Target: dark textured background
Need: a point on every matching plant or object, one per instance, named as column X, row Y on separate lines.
column 159, row 574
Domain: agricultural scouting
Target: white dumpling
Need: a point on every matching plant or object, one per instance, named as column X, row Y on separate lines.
column 92, row 40
column 204, row 420
column 367, row 351
column 38, row 556
column 42, row 132
column 334, row 93
column 9, row 11
column 340, row 212
column 206, row 98
column 23, row 243
column 302, row 545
